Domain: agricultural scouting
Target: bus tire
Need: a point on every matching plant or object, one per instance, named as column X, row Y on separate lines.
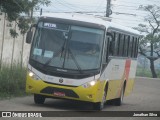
column 39, row 99
column 100, row 105
column 119, row 101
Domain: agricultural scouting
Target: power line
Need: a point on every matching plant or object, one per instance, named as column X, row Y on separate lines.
column 64, row 4
column 123, row 5
column 93, row 12
column 72, row 6
column 125, row 1
column 126, row 19
column 129, row 9
column 130, row 2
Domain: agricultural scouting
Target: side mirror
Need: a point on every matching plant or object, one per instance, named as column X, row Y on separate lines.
column 29, row 37
column 30, row 33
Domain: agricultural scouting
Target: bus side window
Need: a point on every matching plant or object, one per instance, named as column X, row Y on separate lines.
column 128, row 43
column 133, row 44
column 130, row 47
column 117, row 35
column 109, row 46
column 126, row 46
column 137, row 47
column 136, row 43
column 105, row 52
column 111, row 43
column 121, row 45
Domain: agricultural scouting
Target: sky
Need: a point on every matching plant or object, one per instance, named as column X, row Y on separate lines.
column 124, row 12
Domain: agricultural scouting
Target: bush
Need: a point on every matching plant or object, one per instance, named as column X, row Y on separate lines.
column 12, row 80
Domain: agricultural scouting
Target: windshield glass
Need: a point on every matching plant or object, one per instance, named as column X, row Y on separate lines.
column 67, row 46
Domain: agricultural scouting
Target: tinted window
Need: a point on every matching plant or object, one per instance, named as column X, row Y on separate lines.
column 135, row 51
column 124, row 45
column 116, row 44
column 125, row 48
column 132, row 47
column 121, row 45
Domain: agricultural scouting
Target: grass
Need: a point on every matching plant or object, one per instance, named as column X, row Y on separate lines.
column 141, row 72
column 12, row 81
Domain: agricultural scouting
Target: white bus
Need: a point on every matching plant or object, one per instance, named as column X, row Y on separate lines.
column 81, row 58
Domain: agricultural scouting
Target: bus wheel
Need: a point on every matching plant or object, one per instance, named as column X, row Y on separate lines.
column 39, row 99
column 119, row 101
column 100, row 105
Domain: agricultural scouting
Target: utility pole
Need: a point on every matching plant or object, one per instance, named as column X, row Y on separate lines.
column 108, row 8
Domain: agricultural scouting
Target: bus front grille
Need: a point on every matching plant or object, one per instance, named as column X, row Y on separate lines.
column 51, row 90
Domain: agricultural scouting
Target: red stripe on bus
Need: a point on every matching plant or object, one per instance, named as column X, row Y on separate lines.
column 127, row 68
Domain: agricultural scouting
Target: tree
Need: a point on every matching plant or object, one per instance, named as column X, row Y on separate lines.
column 35, row 4
column 150, row 44
column 23, row 27
column 14, row 10
column 14, row 34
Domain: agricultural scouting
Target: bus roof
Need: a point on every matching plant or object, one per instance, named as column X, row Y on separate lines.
column 91, row 19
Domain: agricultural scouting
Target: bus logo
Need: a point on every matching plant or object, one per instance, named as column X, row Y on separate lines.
column 60, row 80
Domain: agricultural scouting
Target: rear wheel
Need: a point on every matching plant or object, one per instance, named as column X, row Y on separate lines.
column 100, row 105
column 39, row 99
column 119, row 101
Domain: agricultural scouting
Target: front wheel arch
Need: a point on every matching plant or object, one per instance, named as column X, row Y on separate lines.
column 106, row 86
column 119, row 100
column 100, row 105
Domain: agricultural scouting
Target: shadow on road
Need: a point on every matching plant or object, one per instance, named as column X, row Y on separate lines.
column 69, row 105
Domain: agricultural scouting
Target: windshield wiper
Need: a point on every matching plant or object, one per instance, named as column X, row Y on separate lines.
column 74, row 59
column 57, row 53
column 65, row 49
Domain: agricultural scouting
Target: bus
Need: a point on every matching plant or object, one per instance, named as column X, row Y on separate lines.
column 79, row 57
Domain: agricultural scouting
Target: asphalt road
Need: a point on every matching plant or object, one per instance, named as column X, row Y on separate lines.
column 145, row 97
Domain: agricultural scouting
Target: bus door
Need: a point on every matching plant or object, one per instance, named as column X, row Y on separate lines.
column 111, row 69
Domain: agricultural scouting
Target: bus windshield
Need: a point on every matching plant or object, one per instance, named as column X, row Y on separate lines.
column 67, row 46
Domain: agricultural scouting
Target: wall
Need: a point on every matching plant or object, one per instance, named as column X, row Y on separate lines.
column 8, row 43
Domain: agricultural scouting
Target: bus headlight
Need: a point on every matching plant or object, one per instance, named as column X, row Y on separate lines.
column 89, row 84
column 33, row 76
column 92, row 83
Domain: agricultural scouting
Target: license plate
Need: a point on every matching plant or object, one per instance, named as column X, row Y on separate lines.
column 60, row 94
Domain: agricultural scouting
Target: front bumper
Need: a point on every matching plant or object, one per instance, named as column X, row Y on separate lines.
column 90, row 94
